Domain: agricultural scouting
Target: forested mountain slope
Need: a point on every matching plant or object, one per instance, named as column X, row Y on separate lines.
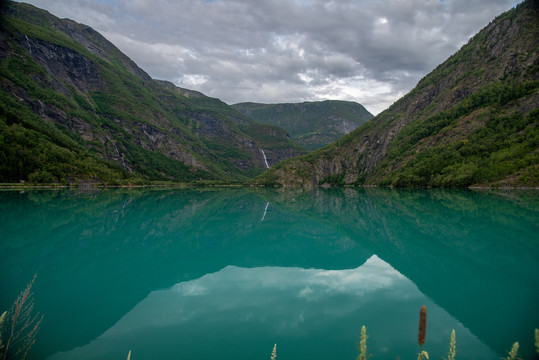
column 311, row 124
column 471, row 121
column 74, row 108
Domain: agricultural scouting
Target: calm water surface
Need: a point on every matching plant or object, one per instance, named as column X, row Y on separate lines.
column 226, row 274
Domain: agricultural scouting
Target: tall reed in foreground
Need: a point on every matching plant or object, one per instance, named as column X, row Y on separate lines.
column 512, row 355
column 274, row 352
column 422, row 333
column 2, row 320
column 362, row 347
column 19, row 326
column 452, row 346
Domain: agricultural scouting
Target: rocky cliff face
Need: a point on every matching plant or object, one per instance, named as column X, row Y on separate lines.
column 470, row 121
column 63, row 80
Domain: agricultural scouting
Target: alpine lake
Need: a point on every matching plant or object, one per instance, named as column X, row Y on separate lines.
column 229, row 273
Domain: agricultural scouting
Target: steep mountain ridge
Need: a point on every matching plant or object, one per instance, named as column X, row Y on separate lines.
column 471, row 121
column 311, row 124
column 73, row 107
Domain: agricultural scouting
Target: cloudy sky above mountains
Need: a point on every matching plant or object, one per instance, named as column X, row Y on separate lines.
column 270, row 51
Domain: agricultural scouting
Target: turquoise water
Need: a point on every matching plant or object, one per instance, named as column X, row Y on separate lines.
column 226, row 274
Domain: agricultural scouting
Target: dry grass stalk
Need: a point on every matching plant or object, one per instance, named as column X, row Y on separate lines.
column 129, row 355
column 513, row 353
column 422, row 325
column 537, row 340
column 452, row 346
column 21, row 325
column 2, row 320
column 274, row 352
column 423, row 355
column 362, row 347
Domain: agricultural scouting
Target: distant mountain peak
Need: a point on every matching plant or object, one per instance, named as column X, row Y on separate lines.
column 313, row 124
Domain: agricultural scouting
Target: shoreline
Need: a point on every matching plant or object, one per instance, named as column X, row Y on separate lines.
column 54, row 186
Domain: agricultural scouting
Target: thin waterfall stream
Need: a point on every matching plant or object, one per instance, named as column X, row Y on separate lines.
column 265, row 159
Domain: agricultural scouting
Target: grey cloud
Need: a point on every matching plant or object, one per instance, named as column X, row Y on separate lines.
column 287, row 50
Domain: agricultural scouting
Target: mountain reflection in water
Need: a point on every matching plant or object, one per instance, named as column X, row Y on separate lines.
column 291, row 306
column 205, row 274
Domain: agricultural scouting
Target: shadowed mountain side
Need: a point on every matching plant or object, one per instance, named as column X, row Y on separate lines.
column 428, row 236
column 73, row 107
column 146, row 240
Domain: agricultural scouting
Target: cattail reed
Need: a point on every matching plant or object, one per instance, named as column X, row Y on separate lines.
column 422, row 325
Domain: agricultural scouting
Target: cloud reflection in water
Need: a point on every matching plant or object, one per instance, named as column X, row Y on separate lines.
column 295, row 305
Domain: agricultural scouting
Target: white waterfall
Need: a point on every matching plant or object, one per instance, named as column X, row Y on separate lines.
column 115, row 146
column 28, row 43
column 265, row 159
column 118, row 153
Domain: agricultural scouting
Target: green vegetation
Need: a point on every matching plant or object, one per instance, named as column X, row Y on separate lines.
column 88, row 113
column 505, row 144
column 335, row 180
column 487, row 137
column 270, row 137
column 32, row 150
column 99, row 118
column 311, row 124
column 471, row 122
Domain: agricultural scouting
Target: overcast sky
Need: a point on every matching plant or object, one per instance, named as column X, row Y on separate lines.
column 271, row 51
